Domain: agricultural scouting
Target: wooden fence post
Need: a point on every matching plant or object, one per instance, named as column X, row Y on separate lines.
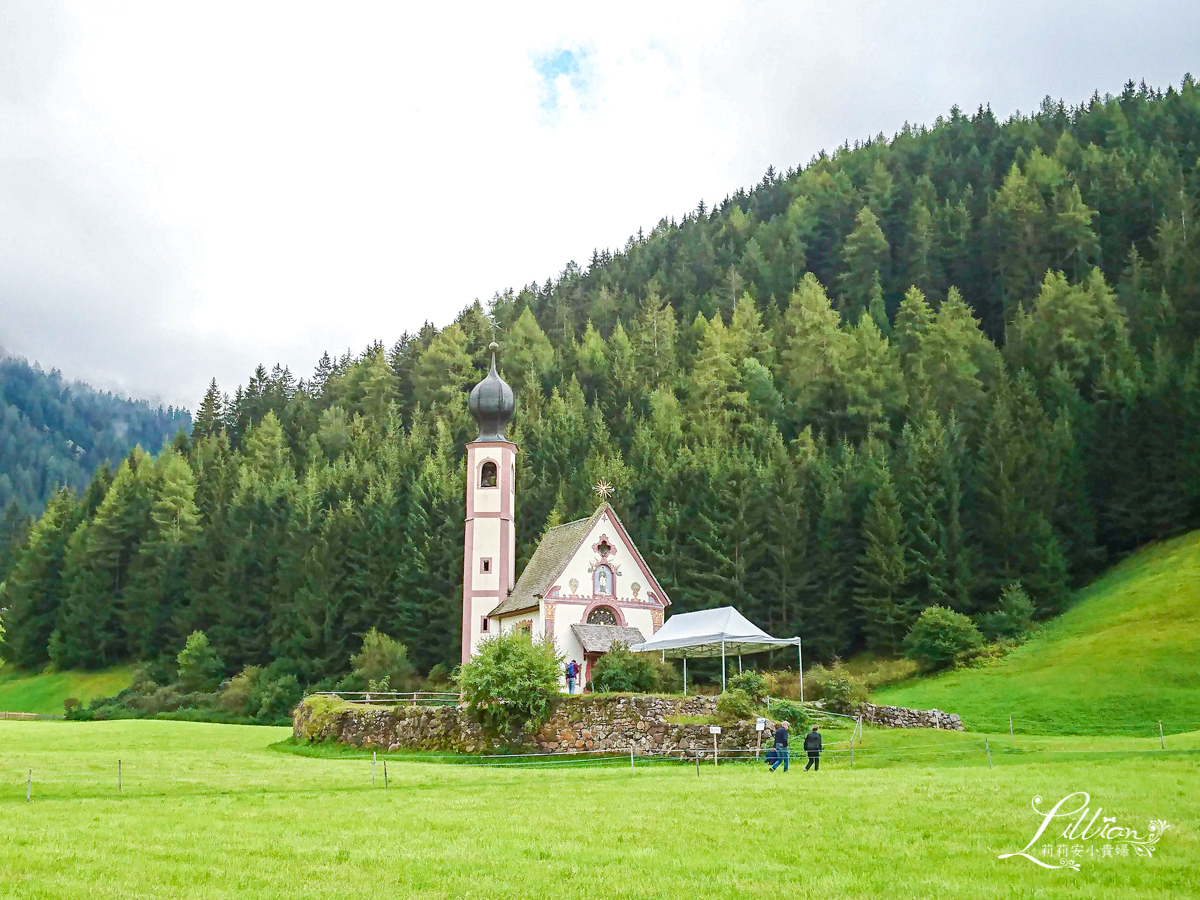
column 1161, row 740
column 118, row 776
column 988, row 748
column 385, row 774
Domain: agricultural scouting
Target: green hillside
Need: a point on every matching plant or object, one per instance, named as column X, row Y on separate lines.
column 23, row 692
column 1124, row 657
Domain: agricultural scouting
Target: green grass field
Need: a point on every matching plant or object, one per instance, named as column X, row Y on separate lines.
column 1124, row 657
column 27, row 692
column 212, row 811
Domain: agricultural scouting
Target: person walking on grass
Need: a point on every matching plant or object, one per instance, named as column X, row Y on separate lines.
column 781, row 747
column 812, row 743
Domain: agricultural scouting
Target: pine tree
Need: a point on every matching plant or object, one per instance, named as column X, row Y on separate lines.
column 158, row 588
column 211, row 413
column 865, row 253
column 34, row 589
column 882, row 568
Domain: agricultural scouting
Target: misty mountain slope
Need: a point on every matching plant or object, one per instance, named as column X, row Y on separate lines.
column 54, row 432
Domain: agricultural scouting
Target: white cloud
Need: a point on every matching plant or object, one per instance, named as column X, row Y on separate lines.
column 190, row 190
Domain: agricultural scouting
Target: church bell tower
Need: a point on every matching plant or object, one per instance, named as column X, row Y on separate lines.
column 490, row 554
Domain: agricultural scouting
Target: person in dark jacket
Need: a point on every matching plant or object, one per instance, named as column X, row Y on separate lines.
column 781, row 747
column 812, row 743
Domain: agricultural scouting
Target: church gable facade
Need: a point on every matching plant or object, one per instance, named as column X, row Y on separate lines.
column 585, row 587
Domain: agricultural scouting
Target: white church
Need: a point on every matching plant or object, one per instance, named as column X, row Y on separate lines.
column 586, row 585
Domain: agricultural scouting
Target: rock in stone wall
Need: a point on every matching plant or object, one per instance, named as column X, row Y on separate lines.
column 900, row 717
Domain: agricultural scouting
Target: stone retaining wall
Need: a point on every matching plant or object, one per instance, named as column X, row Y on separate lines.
column 590, row 722
column 901, row 717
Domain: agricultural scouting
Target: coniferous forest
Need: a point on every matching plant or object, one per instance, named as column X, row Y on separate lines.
column 910, row 372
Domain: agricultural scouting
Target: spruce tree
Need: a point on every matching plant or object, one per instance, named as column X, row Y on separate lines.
column 882, row 568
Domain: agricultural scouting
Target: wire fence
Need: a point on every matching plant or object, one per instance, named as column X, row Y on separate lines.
column 58, row 778
column 394, row 698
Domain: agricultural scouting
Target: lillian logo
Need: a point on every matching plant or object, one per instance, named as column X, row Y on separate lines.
column 1101, row 837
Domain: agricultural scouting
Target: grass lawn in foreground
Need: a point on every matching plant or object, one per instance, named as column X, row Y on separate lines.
column 1124, row 657
column 210, row 811
column 29, row 692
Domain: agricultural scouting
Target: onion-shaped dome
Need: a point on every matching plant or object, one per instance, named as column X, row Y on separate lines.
column 492, row 403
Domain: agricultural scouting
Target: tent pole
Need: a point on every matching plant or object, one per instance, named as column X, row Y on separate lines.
column 685, row 676
column 800, row 651
column 722, row 665
column 739, row 664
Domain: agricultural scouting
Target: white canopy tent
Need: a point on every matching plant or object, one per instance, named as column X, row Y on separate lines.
column 715, row 632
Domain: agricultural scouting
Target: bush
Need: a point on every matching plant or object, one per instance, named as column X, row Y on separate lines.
column 352, row 683
column 785, row 683
column 322, row 713
column 511, row 683
column 753, row 684
column 734, row 706
column 383, row 658
column 1013, row 619
column 235, row 697
column 165, row 699
column 840, row 690
column 619, row 671
column 983, row 655
column 792, row 713
column 889, row 671
column 200, row 668
column 938, row 634
column 69, row 704
column 272, row 700
column 440, row 677
column 667, row 678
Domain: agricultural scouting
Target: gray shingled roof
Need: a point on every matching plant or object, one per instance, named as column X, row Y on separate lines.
column 552, row 554
column 600, row 638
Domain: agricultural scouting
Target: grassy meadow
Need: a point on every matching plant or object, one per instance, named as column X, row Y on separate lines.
column 1124, row 657
column 30, row 692
column 214, row 811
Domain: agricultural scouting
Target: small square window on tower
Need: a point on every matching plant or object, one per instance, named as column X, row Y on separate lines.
column 485, row 565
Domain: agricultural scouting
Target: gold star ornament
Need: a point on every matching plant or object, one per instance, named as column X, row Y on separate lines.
column 603, row 489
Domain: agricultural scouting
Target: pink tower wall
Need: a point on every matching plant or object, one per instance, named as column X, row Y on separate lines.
column 482, row 541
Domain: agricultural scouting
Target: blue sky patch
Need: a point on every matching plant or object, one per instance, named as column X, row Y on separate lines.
column 562, row 62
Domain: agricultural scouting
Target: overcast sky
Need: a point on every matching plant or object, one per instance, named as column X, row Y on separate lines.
column 187, row 190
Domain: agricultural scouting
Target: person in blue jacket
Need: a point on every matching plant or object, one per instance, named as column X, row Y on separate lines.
column 781, row 747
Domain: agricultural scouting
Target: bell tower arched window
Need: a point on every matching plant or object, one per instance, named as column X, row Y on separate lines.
column 487, row 474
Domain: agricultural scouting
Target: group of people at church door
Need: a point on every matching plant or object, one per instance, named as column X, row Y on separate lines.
column 572, row 673
column 779, row 753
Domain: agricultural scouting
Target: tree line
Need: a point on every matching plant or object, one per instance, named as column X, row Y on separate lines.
column 914, row 372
